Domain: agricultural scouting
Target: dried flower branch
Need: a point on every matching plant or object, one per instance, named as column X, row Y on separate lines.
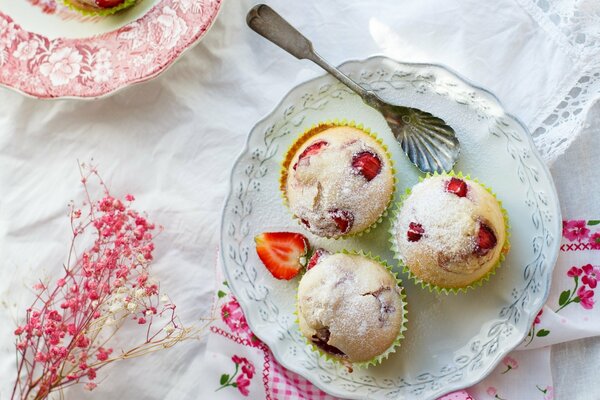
column 68, row 330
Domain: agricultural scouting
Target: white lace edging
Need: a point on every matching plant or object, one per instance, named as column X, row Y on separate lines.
column 575, row 26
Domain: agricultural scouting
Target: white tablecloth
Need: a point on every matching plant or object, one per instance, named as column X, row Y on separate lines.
column 172, row 142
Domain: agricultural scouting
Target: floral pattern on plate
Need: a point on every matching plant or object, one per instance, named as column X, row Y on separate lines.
column 95, row 66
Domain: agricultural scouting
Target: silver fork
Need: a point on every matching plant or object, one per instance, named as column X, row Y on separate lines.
column 427, row 140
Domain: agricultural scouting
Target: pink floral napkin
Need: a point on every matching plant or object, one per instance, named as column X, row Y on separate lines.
column 571, row 311
column 238, row 365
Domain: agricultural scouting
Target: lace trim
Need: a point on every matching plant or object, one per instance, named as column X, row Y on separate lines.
column 574, row 25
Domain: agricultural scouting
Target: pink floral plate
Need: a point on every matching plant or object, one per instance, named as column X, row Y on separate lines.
column 49, row 51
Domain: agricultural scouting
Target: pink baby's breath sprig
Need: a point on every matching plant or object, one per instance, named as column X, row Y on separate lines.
column 69, row 330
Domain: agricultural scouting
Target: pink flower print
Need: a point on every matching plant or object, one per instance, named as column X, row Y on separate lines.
column 166, row 30
column 510, row 363
column 575, row 230
column 62, row 66
column 240, row 378
column 242, row 385
column 3, row 56
column 232, row 315
column 538, row 317
column 548, row 392
column 248, row 369
column 27, row 50
column 591, row 275
column 47, row 6
column 103, row 55
column 595, row 240
column 574, row 271
column 585, row 297
column 8, row 31
column 237, row 359
column 102, row 71
column 493, row 392
column 185, row 5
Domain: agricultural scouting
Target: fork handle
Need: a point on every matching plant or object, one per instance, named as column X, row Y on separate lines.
column 266, row 22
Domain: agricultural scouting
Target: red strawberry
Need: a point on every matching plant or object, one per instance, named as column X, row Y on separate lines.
column 457, row 186
column 486, row 240
column 367, row 164
column 343, row 219
column 316, row 257
column 311, row 150
column 108, row 3
column 282, row 252
column 415, row 232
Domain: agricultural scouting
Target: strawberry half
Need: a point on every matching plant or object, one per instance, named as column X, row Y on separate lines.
column 311, row 150
column 415, row 232
column 367, row 164
column 343, row 219
column 457, row 186
column 486, row 240
column 316, row 257
column 282, row 252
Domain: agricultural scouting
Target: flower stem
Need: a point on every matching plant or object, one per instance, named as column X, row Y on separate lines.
column 573, row 295
column 508, row 368
column 228, row 383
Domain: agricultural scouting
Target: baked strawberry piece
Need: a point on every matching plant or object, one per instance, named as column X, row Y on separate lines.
column 457, row 186
column 337, row 180
column 317, row 256
column 366, row 164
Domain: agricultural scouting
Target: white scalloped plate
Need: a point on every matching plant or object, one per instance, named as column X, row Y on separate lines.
column 452, row 341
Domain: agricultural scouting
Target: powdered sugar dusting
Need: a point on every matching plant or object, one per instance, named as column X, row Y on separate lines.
column 357, row 299
column 449, row 221
column 444, row 252
column 325, row 183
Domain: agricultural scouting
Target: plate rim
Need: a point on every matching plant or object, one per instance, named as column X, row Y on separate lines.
column 183, row 49
column 552, row 260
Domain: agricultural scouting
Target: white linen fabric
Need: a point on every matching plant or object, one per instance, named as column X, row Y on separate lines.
column 172, row 141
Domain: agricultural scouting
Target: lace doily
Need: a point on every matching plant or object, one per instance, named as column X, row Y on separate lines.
column 575, row 26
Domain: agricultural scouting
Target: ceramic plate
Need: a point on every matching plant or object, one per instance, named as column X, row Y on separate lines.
column 49, row 51
column 452, row 341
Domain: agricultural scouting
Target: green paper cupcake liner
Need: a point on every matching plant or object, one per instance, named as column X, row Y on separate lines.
column 92, row 11
column 303, row 138
column 431, row 287
column 393, row 347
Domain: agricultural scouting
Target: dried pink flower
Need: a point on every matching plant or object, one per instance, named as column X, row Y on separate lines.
column 64, row 339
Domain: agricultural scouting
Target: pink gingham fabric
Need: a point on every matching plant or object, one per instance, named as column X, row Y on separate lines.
column 287, row 385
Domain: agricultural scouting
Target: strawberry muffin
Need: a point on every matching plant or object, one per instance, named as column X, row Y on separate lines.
column 449, row 232
column 337, row 180
column 351, row 308
column 99, row 7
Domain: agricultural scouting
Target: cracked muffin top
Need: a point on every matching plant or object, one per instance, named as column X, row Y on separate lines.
column 450, row 231
column 350, row 306
column 338, row 180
